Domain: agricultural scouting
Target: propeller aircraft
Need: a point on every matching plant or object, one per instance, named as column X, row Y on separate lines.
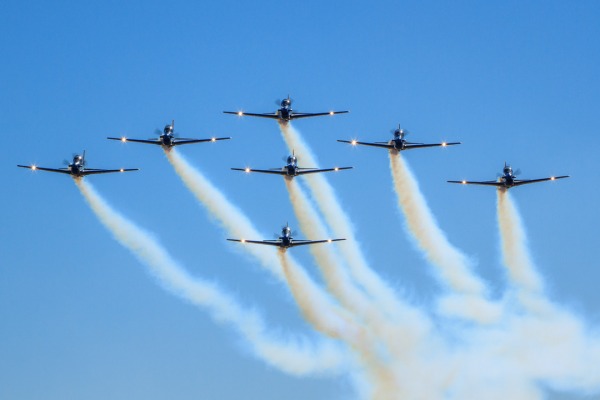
column 77, row 168
column 167, row 138
column 285, row 241
column 398, row 143
column 285, row 113
column 508, row 179
column 291, row 169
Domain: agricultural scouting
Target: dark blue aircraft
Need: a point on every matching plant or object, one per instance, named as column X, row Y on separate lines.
column 398, row 143
column 77, row 168
column 291, row 169
column 285, row 114
column 167, row 139
column 285, row 241
column 509, row 179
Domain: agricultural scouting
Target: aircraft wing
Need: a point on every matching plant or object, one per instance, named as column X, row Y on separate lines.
column 519, row 182
column 263, row 115
column 312, row 171
column 382, row 145
column 305, row 242
column 158, row 142
column 263, row 171
column 35, row 168
column 89, row 171
column 409, row 146
column 179, row 142
column 276, row 243
column 297, row 115
column 486, row 183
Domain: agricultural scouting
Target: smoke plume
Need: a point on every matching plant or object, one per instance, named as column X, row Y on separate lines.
column 292, row 357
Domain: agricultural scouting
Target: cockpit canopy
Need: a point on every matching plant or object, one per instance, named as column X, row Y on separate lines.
column 399, row 133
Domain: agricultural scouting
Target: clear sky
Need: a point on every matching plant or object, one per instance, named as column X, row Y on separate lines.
column 81, row 317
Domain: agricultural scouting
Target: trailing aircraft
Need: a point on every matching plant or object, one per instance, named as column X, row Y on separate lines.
column 285, row 241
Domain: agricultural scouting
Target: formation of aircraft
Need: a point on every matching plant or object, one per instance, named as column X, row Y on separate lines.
column 167, row 139
column 399, row 143
column 508, row 179
column 285, row 241
column 284, row 114
column 77, row 168
column 291, row 169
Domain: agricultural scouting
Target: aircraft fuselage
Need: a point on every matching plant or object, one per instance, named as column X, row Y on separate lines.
column 284, row 114
column 167, row 140
column 291, row 170
column 286, row 241
column 508, row 181
column 399, row 144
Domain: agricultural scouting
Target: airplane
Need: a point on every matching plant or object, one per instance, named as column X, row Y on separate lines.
column 167, row 139
column 77, row 168
column 285, row 241
column 290, row 170
column 508, row 179
column 398, row 143
column 285, row 114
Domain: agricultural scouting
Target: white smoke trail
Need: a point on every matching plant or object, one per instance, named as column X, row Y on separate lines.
column 293, row 358
column 406, row 337
column 233, row 220
column 517, row 259
column 317, row 309
column 340, row 223
column 400, row 337
column 549, row 332
column 327, row 258
column 453, row 266
column 380, row 377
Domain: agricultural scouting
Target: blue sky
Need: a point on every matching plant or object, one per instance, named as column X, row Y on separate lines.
column 81, row 318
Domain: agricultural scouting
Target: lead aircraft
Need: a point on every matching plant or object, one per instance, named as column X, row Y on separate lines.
column 284, row 114
column 285, row 241
column 291, row 169
column 77, row 168
column 167, row 139
column 398, row 143
column 508, row 179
